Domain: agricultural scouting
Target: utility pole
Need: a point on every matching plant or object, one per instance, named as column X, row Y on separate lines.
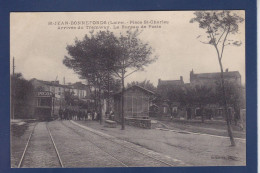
column 13, row 90
column 13, row 66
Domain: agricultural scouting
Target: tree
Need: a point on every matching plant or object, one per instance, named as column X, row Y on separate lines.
column 103, row 55
column 145, row 84
column 235, row 98
column 171, row 92
column 93, row 59
column 110, row 86
column 69, row 98
column 22, row 96
column 219, row 25
column 199, row 95
column 133, row 55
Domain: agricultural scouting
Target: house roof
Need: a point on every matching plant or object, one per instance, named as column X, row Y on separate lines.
column 170, row 82
column 138, row 87
column 48, row 83
column 77, row 85
column 229, row 74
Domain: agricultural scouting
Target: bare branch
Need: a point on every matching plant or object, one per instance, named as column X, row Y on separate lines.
column 223, row 44
column 131, row 73
column 221, row 36
column 205, row 42
column 117, row 74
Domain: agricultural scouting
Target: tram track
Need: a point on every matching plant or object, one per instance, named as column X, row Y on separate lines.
column 57, row 152
column 164, row 163
column 26, row 146
column 21, row 162
column 111, row 155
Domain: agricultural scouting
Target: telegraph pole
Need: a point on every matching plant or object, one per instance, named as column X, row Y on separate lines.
column 13, row 90
column 13, row 66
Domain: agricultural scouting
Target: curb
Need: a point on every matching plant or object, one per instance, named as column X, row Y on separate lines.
column 120, row 141
column 204, row 134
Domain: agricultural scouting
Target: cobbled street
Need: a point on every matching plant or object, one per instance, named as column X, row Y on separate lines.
column 79, row 147
column 194, row 149
column 40, row 152
column 89, row 144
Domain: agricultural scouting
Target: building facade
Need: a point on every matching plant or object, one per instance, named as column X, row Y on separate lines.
column 54, row 86
column 167, row 89
column 80, row 90
column 211, row 79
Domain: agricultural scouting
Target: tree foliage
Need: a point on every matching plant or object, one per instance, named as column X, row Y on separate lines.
column 173, row 93
column 69, row 98
column 199, row 95
column 93, row 59
column 134, row 54
column 21, row 96
column 234, row 94
column 218, row 26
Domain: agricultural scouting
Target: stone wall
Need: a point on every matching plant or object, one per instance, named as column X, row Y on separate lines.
column 139, row 122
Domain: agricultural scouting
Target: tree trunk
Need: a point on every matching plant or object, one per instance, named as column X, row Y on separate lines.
column 202, row 115
column 95, row 98
column 100, row 106
column 13, row 96
column 122, row 101
column 108, row 103
column 230, row 134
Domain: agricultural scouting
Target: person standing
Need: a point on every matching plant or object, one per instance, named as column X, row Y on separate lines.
column 95, row 115
column 60, row 114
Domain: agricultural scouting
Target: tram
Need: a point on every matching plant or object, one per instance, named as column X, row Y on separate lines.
column 44, row 105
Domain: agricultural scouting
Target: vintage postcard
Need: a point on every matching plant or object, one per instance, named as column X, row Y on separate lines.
column 127, row 89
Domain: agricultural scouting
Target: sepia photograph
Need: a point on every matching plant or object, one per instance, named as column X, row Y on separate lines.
column 127, row 89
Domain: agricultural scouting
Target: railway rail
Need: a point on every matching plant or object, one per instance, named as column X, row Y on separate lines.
column 162, row 162
column 115, row 153
column 29, row 141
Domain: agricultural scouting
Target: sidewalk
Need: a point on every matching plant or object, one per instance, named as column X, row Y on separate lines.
column 211, row 127
column 211, row 150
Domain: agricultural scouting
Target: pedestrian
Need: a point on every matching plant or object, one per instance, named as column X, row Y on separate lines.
column 112, row 115
column 81, row 114
column 65, row 114
column 95, row 115
column 86, row 115
column 92, row 115
column 60, row 114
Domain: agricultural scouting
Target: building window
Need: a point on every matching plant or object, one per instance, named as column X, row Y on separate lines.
column 164, row 110
column 174, row 109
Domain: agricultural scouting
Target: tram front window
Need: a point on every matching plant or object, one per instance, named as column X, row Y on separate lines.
column 44, row 102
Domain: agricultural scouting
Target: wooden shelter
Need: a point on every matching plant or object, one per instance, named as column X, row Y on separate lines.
column 136, row 102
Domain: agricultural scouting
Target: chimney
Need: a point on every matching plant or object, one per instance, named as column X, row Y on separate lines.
column 159, row 81
column 227, row 70
column 191, row 75
column 181, row 78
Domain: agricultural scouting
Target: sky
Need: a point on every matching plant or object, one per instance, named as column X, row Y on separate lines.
column 38, row 42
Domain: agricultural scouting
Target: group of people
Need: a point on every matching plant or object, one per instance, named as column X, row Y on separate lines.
column 77, row 114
